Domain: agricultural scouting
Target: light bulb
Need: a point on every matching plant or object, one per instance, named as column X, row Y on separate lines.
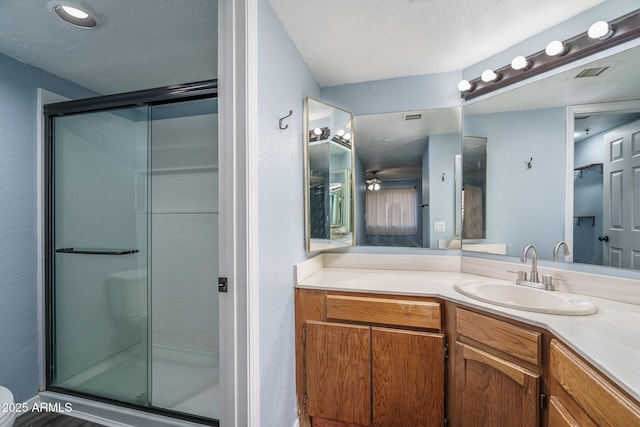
column 600, row 30
column 317, row 131
column 340, row 132
column 464, row 86
column 75, row 12
column 520, row 63
column 376, row 186
column 489, row 76
column 347, row 136
column 370, row 187
column 556, row 48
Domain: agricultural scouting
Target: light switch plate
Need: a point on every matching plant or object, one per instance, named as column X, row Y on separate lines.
column 439, row 226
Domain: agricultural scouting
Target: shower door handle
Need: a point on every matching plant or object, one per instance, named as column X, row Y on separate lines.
column 97, row 251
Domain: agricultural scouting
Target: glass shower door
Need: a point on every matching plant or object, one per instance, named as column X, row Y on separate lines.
column 184, row 258
column 100, row 239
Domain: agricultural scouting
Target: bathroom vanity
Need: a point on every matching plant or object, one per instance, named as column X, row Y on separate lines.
column 386, row 340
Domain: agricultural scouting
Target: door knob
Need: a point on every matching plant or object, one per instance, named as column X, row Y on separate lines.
column 604, row 238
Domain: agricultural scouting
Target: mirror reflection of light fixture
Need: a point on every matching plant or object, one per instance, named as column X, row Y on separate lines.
column 520, row 63
column 600, row 30
column 556, row 48
column 373, row 184
column 342, row 138
column 490, row 76
column 319, row 134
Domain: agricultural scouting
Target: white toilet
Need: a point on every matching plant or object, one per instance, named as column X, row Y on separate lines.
column 6, row 402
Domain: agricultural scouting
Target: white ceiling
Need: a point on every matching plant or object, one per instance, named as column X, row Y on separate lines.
column 394, row 146
column 138, row 44
column 353, row 41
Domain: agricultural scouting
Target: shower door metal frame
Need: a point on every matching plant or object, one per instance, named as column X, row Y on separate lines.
column 148, row 97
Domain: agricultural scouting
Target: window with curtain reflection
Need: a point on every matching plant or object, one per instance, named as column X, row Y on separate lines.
column 391, row 211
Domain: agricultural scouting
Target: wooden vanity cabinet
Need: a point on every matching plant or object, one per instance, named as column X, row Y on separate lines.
column 581, row 396
column 497, row 372
column 369, row 360
column 377, row 360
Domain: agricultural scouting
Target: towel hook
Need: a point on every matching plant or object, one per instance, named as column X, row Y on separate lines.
column 280, row 120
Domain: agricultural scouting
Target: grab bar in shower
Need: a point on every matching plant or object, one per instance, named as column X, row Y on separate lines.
column 92, row 251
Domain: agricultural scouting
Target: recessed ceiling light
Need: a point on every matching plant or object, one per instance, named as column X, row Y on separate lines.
column 72, row 14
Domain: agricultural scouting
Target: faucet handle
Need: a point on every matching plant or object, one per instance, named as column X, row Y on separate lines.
column 522, row 275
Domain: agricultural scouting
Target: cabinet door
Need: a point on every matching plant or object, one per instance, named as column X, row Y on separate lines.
column 408, row 378
column 338, row 372
column 495, row 392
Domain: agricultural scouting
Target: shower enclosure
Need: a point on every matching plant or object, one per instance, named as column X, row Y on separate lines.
column 132, row 250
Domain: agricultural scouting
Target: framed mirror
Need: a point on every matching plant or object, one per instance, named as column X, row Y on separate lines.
column 474, row 189
column 329, row 188
column 550, row 142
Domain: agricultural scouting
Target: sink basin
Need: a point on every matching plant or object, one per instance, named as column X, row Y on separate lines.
column 528, row 299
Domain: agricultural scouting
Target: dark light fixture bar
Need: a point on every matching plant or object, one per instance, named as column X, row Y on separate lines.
column 625, row 28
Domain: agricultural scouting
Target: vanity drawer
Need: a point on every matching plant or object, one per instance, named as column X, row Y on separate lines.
column 385, row 311
column 511, row 339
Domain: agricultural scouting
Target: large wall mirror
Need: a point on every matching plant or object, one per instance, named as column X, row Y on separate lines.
column 329, row 176
column 563, row 159
column 406, row 178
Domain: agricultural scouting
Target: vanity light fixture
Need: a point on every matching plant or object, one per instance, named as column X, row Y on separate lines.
column 343, row 138
column 556, row 48
column 600, row 30
column 520, row 63
column 319, row 134
column 601, row 36
column 72, row 14
column 490, row 76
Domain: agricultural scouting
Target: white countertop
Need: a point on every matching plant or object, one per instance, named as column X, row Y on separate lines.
column 609, row 339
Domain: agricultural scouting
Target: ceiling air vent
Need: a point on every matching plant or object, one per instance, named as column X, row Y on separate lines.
column 591, row 72
column 416, row 116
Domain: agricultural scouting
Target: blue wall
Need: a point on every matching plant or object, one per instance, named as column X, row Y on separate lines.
column 283, row 83
column 393, row 95
column 442, row 149
column 524, row 206
column 18, row 220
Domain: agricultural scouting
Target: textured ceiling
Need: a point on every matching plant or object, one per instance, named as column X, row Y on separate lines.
column 362, row 40
column 138, row 44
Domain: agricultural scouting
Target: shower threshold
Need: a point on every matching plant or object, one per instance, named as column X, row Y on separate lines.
column 183, row 380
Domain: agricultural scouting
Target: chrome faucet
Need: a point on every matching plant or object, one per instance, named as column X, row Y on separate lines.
column 534, row 262
column 557, row 247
